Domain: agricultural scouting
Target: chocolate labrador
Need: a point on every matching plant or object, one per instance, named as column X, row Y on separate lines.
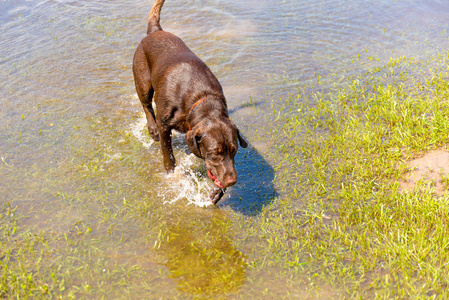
column 189, row 99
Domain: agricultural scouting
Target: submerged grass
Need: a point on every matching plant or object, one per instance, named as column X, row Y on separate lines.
column 343, row 220
column 339, row 229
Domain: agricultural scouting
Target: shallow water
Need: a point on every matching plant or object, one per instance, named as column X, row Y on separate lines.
column 75, row 154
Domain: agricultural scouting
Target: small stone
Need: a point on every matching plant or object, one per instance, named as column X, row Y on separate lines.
column 216, row 194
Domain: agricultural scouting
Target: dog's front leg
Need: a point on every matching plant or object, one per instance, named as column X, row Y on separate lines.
column 167, row 150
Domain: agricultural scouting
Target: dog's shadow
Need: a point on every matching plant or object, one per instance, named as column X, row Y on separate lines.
column 255, row 187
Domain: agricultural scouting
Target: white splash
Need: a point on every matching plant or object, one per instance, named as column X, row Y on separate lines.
column 188, row 181
column 138, row 130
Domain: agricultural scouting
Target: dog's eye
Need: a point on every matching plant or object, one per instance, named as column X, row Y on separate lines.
column 216, row 157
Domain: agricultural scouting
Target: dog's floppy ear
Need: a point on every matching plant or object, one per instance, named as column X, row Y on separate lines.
column 242, row 142
column 193, row 139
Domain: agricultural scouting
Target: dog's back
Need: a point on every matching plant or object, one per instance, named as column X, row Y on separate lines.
column 168, row 57
column 167, row 60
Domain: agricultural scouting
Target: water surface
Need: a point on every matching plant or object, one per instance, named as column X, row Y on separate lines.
column 76, row 157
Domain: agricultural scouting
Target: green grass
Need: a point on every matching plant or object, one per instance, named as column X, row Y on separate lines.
column 339, row 229
column 344, row 221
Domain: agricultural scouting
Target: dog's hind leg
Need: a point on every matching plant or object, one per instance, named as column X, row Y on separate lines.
column 146, row 100
column 151, row 118
column 145, row 92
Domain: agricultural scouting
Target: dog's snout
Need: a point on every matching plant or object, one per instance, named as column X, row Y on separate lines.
column 230, row 180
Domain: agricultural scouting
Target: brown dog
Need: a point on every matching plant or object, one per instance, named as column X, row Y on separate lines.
column 189, row 99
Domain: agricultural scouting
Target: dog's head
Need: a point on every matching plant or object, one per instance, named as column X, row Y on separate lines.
column 216, row 141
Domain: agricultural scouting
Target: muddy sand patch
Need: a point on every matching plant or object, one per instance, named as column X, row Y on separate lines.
column 431, row 170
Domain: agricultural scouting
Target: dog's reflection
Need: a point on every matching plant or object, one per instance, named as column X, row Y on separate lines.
column 201, row 256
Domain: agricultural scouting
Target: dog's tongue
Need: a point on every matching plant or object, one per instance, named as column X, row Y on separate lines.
column 215, row 179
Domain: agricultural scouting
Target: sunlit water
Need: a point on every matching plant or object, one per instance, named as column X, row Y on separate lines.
column 72, row 126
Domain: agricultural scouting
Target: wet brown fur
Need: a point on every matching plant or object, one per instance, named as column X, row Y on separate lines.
column 168, row 72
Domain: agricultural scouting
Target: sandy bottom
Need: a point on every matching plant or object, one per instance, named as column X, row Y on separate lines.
column 431, row 170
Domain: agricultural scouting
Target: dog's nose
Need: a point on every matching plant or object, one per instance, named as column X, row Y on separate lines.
column 230, row 180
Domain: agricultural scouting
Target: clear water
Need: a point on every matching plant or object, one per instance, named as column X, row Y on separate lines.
column 73, row 141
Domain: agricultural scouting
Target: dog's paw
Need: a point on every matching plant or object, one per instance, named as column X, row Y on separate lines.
column 154, row 133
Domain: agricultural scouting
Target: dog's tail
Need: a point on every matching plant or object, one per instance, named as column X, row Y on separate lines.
column 155, row 16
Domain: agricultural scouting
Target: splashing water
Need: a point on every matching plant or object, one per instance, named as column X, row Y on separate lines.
column 137, row 130
column 189, row 180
